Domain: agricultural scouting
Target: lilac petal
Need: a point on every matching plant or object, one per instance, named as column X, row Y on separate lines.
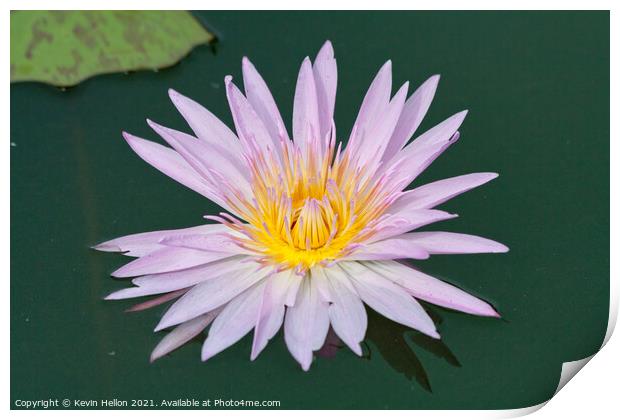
column 305, row 107
column 306, row 324
column 271, row 312
column 293, row 290
column 211, row 243
column 435, row 193
column 262, row 101
column 410, row 162
column 413, row 112
column 250, row 127
column 389, row 299
column 319, row 278
column 346, row 313
column 432, row 290
column 376, row 138
column 209, row 295
column 407, row 220
column 389, row 249
column 182, row 334
column 204, row 159
column 170, row 163
column 235, row 321
column 205, row 125
column 140, row 244
column 151, row 303
column 166, row 260
column 450, row 243
column 167, row 282
column 377, row 97
column 326, row 79
column 439, row 133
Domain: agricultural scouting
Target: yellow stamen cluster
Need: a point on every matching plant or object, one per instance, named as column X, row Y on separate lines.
column 310, row 205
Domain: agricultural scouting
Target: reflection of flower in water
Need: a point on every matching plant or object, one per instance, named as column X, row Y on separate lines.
column 394, row 343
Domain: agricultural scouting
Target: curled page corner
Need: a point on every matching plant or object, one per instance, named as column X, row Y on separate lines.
column 570, row 369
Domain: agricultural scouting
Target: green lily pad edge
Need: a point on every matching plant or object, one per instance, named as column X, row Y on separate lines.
column 64, row 48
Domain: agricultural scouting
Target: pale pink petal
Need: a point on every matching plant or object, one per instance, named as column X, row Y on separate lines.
column 430, row 289
column 450, row 243
column 346, row 313
column 208, row 295
column 159, row 300
column 407, row 220
column 375, row 101
column 322, row 284
column 439, row 133
column 435, row 193
column 166, row 282
column 213, row 242
column 170, row 163
column 375, row 139
column 236, row 320
column 167, row 259
column 250, row 128
column 305, row 107
column 271, row 312
column 413, row 112
column 182, row 334
column 389, row 249
column 206, row 160
column 410, row 162
column 389, row 299
column 140, row 244
column 205, row 125
column 326, row 79
column 306, row 324
column 262, row 101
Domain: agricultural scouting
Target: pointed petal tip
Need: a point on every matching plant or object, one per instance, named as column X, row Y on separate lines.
column 358, row 350
column 106, row 247
column 227, row 80
column 327, row 49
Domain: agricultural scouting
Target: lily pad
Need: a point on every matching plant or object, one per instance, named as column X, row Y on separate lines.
column 65, row 47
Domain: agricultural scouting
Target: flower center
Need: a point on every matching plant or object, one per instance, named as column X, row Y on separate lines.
column 309, row 205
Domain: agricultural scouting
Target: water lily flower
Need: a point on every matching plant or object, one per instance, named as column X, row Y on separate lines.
column 311, row 230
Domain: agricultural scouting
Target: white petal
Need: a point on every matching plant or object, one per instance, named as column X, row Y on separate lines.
column 182, row 334
column 236, row 320
column 209, row 295
column 306, row 324
column 388, row 299
column 432, row 290
column 346, row 313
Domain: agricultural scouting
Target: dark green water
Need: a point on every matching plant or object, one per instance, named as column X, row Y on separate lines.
column 537, row 87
